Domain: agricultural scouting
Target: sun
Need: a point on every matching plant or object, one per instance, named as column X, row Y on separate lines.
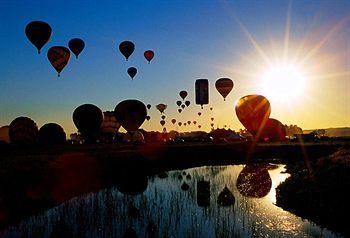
column 283, row 83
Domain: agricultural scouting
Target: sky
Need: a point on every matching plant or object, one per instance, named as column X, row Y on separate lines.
column 242, row 40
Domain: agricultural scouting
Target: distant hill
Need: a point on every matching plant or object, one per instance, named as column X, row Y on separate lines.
column 333, row 132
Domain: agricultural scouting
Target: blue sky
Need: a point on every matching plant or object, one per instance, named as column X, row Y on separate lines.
column 191, row 39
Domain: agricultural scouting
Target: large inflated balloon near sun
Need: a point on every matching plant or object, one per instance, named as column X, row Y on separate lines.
column 38, row 33
column 76, row 45
column 224, row 86
column 273, row 131
column 59, row 57
column 253, row 112
column 23, row 131
column 126, row 48
column 88, row 119
column 130, row 114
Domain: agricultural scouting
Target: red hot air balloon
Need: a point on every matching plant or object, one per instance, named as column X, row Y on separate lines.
column 199, row 113
column 130, row 114
column 38, row 33
column 273, row 131
column 132, row 71
column 173, row 121
column 202, row 92
column 88, row 119
column 149, row 54
column 253, row 112
column 224, row 86
column 126, row 48
column 183, row 94
column 76, row 45
column 59, row 57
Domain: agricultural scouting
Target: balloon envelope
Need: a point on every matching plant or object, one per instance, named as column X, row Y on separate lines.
column 126, row 48
column 149, row 106
column 173, row 121
column 109, row 125
column 130, row 114
column 183, row 94
column 52, row 134
column 178, row 103
column 161, row 107
column 273, row 131
column 132, row 71
column 162, row 122
column 38, row 33
column 224, row 86
column 187, row 103
column 23, row 130
column 253, row 112
column 149, row 54
column 59, row 57
column 88, row 119
column 202, row 91
column 76, row 45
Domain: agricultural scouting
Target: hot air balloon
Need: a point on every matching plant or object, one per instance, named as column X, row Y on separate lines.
column 161, row 107
column 76, row 45
column 199, row 126
column 273, row 131
column 23, row 131
column 126, row 48
column 149, row 106
column 211, row 109
column 189, row 122
column 226, row 198
column 52, row 134
column 4, row 134
column 183, row 94
column 132, row 71
column 183, row 106
column 130, row 114
column 149, row 54
column 224, row 86
column 178, row 103
column 179, row 123
column 88, row 119
column 38, row 33
column 163, row 117
column 202, row 92
column 109, row 127
column 212, row 124
column 199, row 113
column 162, row 122
column 179, row 110
column 212, row 119
column 59, row 57
column 254, row 181
column 195, row 122
column 185, row 124
column 187, row 103
column 173, row 121
column 253, row 112
column 148, row 118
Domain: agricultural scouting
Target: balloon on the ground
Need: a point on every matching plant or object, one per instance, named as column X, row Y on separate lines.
column 109, row 124
column 253, row 112
column 23, row 131
column 273, row 131
column 88, row 119
column 161, row 107
column 148, row 54
column 132, row 71
column 224, row 86
column 183, row 94
column 38, row 33
column 4, row 134
column 202, row 92
column 76, row 45
column 52, row 134
column 59, row 57
column 126, row 48
column 130, row 114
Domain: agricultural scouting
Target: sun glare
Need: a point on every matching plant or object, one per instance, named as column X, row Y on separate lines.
column 283, row 83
